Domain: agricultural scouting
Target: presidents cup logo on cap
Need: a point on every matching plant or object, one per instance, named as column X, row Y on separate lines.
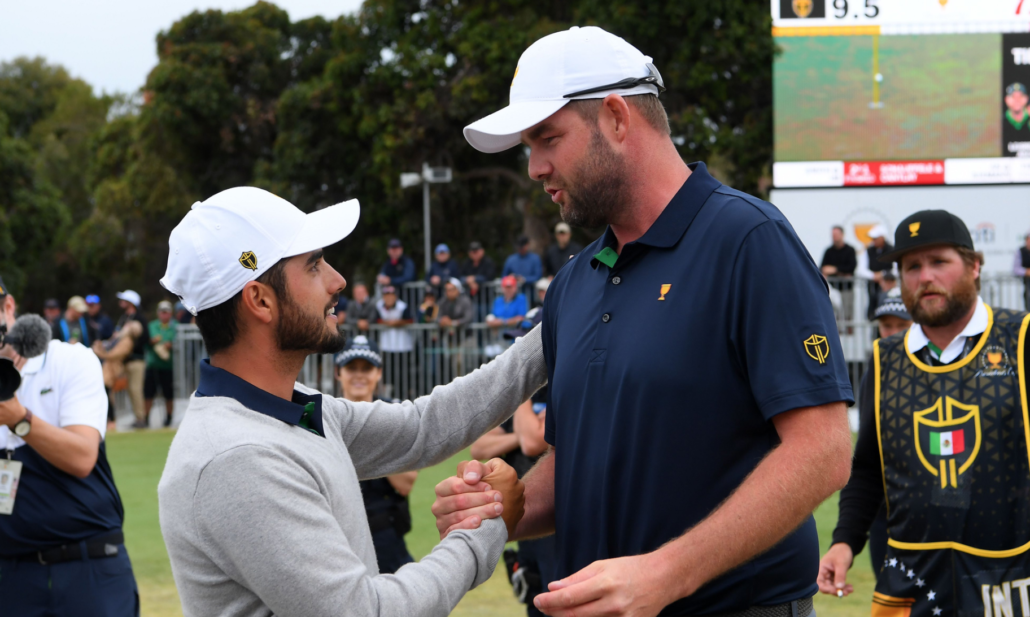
column 248, row 260
column 230, row 229
column 913, row 228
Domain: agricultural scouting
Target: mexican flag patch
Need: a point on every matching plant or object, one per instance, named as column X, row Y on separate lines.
column 946, row 444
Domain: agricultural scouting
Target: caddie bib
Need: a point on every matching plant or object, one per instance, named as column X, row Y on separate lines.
column 955, row 455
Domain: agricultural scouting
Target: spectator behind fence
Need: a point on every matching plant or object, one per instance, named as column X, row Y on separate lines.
column 442, row 269
column 135, row 362
column 559, row 253
column 839, row 259
column 51, row 310
column 524, row 265
column 61, row 546
column 395, row 314
column 1021, row 268
column 74, row 327
column 455, row 307
column 182, row 315
column 398, row 269
column 362, row 309
column 510, row 307
column 870, row 267
column 98, row 318
column 477, row 270
column 429, row 309
column 359, row 370
column 159, row 362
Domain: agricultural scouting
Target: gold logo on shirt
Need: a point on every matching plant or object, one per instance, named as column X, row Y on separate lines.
column 817, row 348
column 665, row 289
column 248, row 260
column 914, row 228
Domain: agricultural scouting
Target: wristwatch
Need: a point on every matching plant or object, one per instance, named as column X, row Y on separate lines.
column 22, row 428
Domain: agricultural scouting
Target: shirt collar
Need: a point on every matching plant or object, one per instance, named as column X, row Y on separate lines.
column 977, row 325
column 35, row 365
column 673, row 222
column 219, row 382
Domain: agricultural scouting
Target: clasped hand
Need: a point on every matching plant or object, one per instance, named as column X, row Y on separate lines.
column 629, row 586
column 479, row 491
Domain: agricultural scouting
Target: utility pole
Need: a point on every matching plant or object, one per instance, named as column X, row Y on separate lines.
column 429, row 175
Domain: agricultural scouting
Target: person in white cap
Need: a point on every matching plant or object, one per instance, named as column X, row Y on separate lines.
column 691, row 457
column 872, row 269
column 135, row 363
column 259, row 501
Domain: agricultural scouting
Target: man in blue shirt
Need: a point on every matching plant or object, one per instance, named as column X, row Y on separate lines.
column 697, row 397
column 509, row 307
column 398, row 269
column 524, row 265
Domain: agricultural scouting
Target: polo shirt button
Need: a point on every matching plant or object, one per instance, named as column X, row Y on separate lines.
column 616, row 280
column 606, row 318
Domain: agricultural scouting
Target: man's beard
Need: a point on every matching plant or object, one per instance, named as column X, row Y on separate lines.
column 300, row 331
column 956, row 304
column 597, row 188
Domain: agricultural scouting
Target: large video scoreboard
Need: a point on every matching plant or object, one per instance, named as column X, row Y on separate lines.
column 901, row 92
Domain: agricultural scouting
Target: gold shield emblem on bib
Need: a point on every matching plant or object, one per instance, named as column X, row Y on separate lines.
column 802, row 8
column 945, row 444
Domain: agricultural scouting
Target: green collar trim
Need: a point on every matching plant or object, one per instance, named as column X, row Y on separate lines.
column 1016, row 124
column 305, row 418
column 607, row 256
column 937, row 351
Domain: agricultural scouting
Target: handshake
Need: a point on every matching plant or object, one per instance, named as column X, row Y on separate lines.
column 479, row 491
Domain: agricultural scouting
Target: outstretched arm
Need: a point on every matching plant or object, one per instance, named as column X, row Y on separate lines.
column 385, row 438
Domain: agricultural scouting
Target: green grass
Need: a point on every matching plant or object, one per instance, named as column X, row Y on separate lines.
column 138, row 458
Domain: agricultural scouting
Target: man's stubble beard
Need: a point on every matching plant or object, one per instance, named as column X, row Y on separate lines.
column 299, row 331
column 957, row 303
column 597, row 188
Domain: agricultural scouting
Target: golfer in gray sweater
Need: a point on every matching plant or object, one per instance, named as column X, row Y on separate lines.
column 259, row 500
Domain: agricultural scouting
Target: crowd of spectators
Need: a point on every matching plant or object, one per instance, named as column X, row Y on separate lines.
column 454, row 294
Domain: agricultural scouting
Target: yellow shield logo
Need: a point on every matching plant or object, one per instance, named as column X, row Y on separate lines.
column 913, row 228
column 947, row 445
column 248, row 260
column 817, row 348
column 802, row 8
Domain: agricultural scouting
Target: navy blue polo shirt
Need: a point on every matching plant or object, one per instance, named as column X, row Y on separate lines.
column 304, row 410
column 665, row 370
column 54, row 508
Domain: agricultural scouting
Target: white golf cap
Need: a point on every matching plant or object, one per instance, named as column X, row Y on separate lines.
column 557, row 66
column 129, row 296
column 234, row 237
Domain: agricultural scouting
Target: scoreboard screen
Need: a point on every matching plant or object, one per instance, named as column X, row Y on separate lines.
column 897, row 92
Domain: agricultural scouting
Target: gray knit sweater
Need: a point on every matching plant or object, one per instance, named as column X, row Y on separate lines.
column 261, row 517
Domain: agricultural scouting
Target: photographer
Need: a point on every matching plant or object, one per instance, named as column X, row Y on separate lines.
column 61, row 546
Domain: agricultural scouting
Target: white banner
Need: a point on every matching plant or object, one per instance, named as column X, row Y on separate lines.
column 998, row 217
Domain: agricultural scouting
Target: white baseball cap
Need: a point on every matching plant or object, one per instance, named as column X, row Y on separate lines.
column 234, row 237
column 129, row 296
column 579, row 63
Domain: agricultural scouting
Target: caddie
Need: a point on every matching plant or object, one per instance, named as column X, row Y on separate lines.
column 260, row 504
column 948, row 447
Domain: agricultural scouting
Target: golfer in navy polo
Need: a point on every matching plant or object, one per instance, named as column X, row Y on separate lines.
column 697, row 385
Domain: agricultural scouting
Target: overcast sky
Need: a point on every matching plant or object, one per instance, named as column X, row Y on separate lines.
column 111, row 43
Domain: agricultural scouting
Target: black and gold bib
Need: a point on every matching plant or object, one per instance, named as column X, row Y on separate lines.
column 955, row 454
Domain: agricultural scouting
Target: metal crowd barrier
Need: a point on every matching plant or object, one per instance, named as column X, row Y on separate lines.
column 419, row 357
column 416, row 358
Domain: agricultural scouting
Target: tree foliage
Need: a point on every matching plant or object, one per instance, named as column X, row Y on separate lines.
column 320, row 111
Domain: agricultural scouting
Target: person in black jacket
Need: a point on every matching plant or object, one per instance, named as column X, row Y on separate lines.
column 476, row 271
column 561, row 251
column 359, row 369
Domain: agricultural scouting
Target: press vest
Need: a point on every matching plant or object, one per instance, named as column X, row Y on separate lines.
column 955, row 455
